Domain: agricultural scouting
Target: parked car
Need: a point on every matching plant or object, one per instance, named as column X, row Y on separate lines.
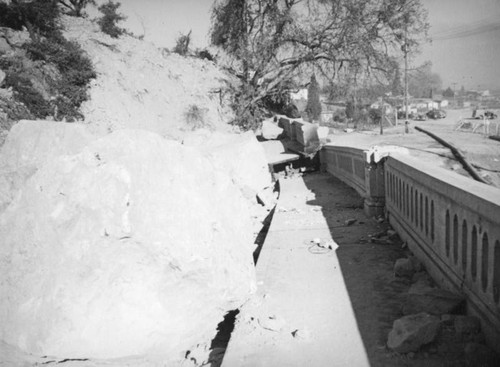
column 436, row 114
column 490, row 115
column 420, row 117
column 402, row 115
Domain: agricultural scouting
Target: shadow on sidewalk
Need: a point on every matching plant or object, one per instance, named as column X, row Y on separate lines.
column 367, row 266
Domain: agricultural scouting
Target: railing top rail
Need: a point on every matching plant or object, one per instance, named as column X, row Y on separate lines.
column 357, row 151
column 477, row 196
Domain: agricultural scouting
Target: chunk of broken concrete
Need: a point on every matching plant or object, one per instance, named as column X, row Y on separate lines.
column 270, row 130
column 435, row 301
column 407, row 267
column 420, row 287
column 410, row 332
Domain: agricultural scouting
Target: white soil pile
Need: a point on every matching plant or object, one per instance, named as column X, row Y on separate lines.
column 141, row 86
column 136, row 245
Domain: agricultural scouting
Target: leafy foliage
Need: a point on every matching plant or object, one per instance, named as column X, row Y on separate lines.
column 422, row 82
column 276, row 41
column 75, row 7
column 448, row 93
column 29, row 96
column 51, row 80
column 182, row 44
column 76, row 71
column 108, row 22
column 38, row 16
column 205, row 55
column 195, row 117
column 313, row 107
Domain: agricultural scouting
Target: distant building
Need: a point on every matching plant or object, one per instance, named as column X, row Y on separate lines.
column 384, row 106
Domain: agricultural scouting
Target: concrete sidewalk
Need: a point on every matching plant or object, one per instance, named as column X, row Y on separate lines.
column 302, row 313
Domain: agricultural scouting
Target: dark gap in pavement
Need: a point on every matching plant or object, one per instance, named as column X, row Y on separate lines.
column 221, row 339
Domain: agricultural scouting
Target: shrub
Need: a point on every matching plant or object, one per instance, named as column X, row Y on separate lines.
column 76, row 71
column 375, row 115
column 182, row 44
column 249, row 114
column 38, row 16
column 205, row 55
column 28, row 95
column 108, row 22
column 195, row 117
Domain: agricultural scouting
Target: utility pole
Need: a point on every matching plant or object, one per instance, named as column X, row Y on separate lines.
column 454, row 94
column 405, row 50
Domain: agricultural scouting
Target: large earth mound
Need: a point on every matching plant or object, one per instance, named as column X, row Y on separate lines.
column 136, row 245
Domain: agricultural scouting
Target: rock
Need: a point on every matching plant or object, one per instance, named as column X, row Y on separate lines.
column 416, row 263
column 436, row 302
column 420, row 287
column 407, row 267
column 393, row 235
column 480, row 355
column 135, row 245
column 466, row 325
column 410, row 332
column 2, row 73
column 424, row 277
column 323, row 132
column 32, row 143
column 404, row 268
column 239, row 155
column 4, row 48
column 350, row 222
column 421, row 283
column 16, row 38
column 267, row 197
column 270, row 130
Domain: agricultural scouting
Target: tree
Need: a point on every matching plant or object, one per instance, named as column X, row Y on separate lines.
column 108, row 22
column 313, row 107
column 274, row 41
column 448, row 93
column 75, row 7
column 422, row 82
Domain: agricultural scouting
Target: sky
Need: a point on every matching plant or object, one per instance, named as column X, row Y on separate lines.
column 465, row 49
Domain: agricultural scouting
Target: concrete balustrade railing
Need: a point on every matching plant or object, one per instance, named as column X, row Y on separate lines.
column 300, row 131
column 357, row 169
column 450, row 222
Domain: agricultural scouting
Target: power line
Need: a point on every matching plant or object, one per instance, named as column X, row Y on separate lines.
column 467, row 31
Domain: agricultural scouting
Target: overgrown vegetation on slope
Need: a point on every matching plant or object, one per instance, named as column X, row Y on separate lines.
column 49, row 75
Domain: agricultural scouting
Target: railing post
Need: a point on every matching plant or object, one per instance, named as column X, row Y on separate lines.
column 375, row 188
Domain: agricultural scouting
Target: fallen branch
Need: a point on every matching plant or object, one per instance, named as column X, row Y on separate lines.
column 460, row 157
